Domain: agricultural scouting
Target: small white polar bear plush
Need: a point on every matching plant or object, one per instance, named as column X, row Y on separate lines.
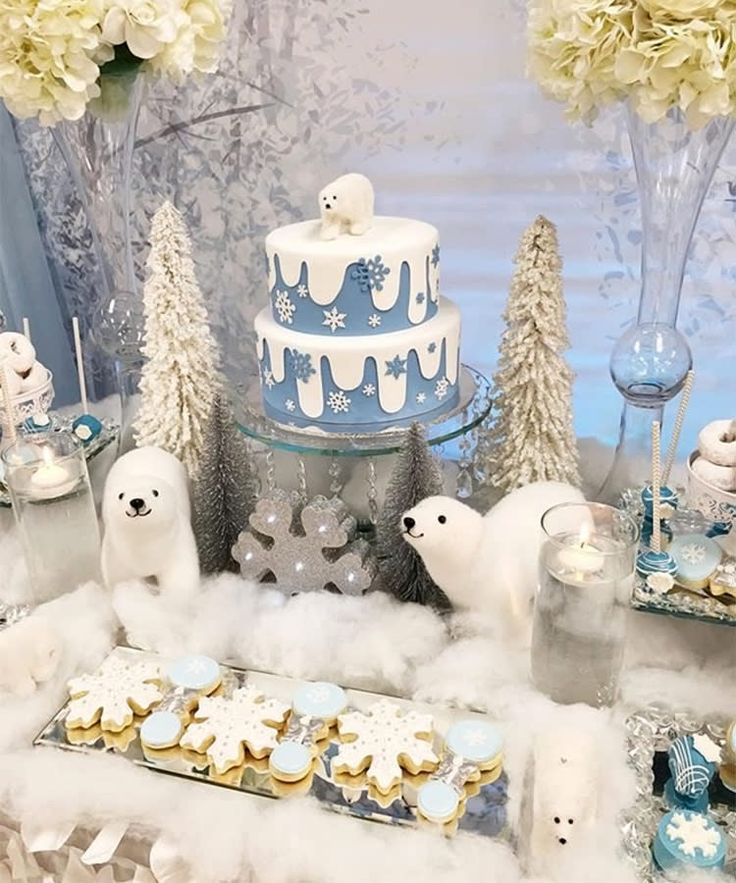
column 487, row 564
column 147, row 516
column 346, row 205
column 30, row 652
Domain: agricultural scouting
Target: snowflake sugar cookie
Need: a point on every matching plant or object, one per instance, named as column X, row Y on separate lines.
column 226, row 726
column 385, row 741
column 111, row 695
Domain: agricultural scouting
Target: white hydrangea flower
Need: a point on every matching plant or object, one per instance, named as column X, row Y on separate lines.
column 198, row 41
column 146, row 26
column 50, row 52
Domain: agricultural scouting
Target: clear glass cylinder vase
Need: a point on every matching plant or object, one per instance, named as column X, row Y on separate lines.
column 54, row 511
column 98, row 151
column 674, row 169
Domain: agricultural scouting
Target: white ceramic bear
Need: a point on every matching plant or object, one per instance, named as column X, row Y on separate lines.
column 487, row 563
column 346, row 205
column 148, row 531
column 30, row 652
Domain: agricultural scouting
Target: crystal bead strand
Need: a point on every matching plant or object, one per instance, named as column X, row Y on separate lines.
column 372, row 490
column 335, row 473
column 301, row 475
column 270, row 471
column 464, row 481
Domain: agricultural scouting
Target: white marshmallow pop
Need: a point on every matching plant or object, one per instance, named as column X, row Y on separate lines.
column 384, row 741
column 112, row 695
column 226, row 726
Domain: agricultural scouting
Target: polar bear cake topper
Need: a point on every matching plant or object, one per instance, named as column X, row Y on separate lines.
column 346, row 206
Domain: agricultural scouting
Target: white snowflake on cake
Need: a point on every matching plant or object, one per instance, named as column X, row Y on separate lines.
column 290, row 405
column 338, row 402
column 369, row 389
column 225, row 726
column 374, row 320
column 268, row 379
column 693, row 553
column 694, row 832
column 441, row 388
column 334, row 319
column 421, row 398
column 113, row 693
column 284, row 307
column 302, row 290
column 385, row 740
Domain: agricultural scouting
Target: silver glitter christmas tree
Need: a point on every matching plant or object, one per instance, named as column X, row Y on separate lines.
column 415, row 477
column 224, row 491
column 304, row 547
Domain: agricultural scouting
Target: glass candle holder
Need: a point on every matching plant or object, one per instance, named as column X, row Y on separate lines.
column 586, row 577
column 55, row 512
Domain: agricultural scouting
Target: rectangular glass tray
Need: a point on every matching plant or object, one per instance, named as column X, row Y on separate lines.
column 650, row 732
column 684, row 604
column 485, row 806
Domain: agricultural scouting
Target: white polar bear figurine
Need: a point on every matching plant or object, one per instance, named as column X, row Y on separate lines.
column 30, row 652
column 148, row 531
column 487, row 564
column 346, row 205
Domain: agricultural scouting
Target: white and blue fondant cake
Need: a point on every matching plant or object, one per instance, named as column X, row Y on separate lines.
column 356, row 336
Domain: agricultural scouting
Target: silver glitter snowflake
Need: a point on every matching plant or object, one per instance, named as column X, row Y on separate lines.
column 284, row 307
column 304, row 548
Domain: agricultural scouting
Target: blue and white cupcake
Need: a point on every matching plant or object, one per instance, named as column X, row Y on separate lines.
column 687, row 839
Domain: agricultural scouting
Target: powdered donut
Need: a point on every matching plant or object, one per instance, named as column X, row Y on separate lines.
column 36, row 377
column 17, row 352
column 717, row 442
column 723, row 477
column 13, row 380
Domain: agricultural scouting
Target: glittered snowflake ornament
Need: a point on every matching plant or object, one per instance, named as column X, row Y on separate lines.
column 304, row 548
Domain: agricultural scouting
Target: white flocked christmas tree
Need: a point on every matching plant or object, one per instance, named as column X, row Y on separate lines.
column 180, row 379
column 534, row 438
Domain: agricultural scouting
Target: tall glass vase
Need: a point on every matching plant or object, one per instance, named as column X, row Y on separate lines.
column 649, row 364
column 98, row 150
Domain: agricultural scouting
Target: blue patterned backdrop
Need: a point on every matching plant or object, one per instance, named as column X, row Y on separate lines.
column 433, row 104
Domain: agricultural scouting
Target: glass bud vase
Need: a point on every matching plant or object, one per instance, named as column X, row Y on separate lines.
column 674, row 169
column 98, row 150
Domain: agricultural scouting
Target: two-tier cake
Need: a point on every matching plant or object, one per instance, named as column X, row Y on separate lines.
column 356, row 337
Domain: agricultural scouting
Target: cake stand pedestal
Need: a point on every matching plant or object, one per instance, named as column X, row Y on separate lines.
column 356, row 466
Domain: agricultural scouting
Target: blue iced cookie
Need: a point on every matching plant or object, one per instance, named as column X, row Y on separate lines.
column 696, row 558
column 438, row 801
column 476, row 741
column 86, row 428
column 655, row 562
column 193, row 672
column 162, row 729
column 321, row 700
column 687, row 839
column 37, row 423
column 291, row 761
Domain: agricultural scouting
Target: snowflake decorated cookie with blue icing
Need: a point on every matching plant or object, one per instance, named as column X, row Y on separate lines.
column 696, row 558
column 315, row 708
column 688, row 839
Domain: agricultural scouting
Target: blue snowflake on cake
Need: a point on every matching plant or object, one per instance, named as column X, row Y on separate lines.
column 284, row 307
column 441, row 388
column 420, row 298
column 302, row 290
column 374, row 320
column 436, row 255
column 334, row 319
column 290, row 405
column 338, row 402
column 301, row 365
column 432, row 347
column 396, row 367
column 369, row 389
column 370, row 274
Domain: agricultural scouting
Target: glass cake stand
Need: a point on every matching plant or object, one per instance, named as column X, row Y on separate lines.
column 473, row 406
column 359, row 464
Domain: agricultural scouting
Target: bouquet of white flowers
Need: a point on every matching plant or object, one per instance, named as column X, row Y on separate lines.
column 660, row 54
column 56, row 56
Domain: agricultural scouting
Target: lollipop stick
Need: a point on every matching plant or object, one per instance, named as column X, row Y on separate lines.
column 9, row 425
column 656, row 486
column 681, row 411
column 26, row 328
column 80, row 364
